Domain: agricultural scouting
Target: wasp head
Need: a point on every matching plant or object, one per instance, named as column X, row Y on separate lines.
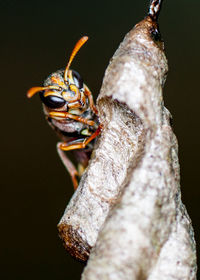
column 63, row 94
column 64, row 89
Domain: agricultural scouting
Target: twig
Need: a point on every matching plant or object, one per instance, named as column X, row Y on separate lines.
column 154, row 9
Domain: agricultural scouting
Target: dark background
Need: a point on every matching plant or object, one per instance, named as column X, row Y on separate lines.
column 36, row 39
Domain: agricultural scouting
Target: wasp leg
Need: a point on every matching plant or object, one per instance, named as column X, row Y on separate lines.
column 70, row 116
column 68, row 165
column 90, row 97
column 80, row 145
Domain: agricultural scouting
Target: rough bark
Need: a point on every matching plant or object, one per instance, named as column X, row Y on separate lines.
column 128, row 202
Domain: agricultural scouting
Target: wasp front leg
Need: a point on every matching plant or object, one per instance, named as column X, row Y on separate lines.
column 91, row 101
column 68, row 165
column 73, row 145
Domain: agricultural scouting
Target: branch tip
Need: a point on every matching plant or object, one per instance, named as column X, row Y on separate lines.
column 154, row 9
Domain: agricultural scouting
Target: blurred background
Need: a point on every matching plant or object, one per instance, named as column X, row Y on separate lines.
column 37, row 38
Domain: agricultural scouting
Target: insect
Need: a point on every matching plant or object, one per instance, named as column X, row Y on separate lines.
column 70, row 110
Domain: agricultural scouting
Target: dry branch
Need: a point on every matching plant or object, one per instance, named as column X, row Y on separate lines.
column 129, row 198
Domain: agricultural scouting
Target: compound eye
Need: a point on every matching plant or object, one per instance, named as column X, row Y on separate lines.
column 77, row 79
column 52, row 101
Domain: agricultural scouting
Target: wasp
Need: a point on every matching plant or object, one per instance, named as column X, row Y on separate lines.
column 70, row 110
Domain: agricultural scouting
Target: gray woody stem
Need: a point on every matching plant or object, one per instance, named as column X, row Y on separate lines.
column 147, row 234
column 128, row 205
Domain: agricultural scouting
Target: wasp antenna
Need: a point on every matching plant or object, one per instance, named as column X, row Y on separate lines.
column 154, row 9
column 32, row 91
column 77, row 47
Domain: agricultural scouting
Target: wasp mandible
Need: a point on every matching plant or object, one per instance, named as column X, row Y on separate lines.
column 70, row 110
